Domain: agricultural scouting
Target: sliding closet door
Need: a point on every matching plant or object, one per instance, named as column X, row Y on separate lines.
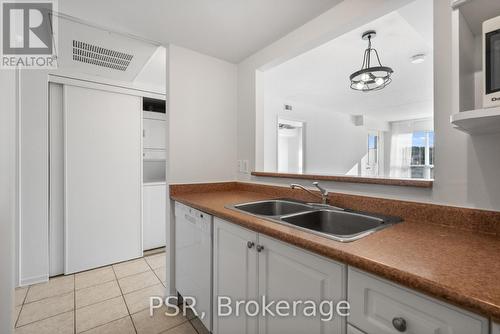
column 102, row 178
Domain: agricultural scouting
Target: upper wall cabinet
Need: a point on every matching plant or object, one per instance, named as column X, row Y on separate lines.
column 475, row 53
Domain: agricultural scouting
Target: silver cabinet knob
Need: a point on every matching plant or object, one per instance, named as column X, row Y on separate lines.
column 399, row 324
column 260, row 248
column 250, row 244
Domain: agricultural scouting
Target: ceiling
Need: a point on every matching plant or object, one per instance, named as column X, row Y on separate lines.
column 320, row 77
column 226, row 29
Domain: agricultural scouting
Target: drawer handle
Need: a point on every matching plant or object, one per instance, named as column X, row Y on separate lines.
column 250, row 244
column 399, row 324
column 260, row 248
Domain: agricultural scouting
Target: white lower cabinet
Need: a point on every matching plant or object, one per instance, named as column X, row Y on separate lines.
column 235, row 275
column 154, row 212
column 379, row 306
column 287, row 273
column 248, row 266
column 495, row 328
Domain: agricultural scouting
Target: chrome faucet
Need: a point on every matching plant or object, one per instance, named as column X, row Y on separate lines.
column 323, row 191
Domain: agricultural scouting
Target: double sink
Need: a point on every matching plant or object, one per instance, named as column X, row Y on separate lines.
column 324, row 220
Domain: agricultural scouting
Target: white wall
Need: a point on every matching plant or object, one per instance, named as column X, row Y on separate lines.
column 8, row 196
column 152, row 75
column 466, row 169
column 34, row 187
column 326, row 150
column 202, row 117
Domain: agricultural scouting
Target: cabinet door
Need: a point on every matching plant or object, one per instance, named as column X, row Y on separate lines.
column 154, row 222
column 102, row 178
column 235, row 275
column 154, row 133
column 495, row 329
column 291, row 274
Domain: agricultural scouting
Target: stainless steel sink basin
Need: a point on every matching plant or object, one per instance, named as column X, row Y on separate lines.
column 324, row 220
column 273, row 207
column 340, row 225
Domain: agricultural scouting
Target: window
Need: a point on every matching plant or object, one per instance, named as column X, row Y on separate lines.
column 372, row 149
column 422, row 154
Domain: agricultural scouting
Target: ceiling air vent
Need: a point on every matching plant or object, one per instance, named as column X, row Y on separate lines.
column 96, row 55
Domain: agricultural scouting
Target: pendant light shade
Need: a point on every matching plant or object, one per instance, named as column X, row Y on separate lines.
column 370, row 77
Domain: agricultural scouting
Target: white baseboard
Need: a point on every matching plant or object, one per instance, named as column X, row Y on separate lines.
column 34, row 280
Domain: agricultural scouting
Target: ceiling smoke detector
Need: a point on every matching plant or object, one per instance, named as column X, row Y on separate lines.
column 417, row 59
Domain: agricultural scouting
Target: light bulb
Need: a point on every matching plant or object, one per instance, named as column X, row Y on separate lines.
column 379, row 81
column 360, row 85
column 365, row 77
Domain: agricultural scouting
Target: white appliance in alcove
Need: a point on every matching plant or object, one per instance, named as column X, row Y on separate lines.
column 154, row 174
column 97, row 194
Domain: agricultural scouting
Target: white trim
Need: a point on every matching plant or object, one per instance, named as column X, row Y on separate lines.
column 88, row 82
column 34, row 280
column 141, row 172
column 65, row 174
column 18, row 178
column 458, row 3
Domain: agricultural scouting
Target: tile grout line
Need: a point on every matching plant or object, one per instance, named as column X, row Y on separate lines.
column 22, row 305
column 154, row 272
column 32, row 322
column 94, row 285
column 52, row 316
column 123, row 297
column 195, row 329
column 89, row 329
column 34, row 301
column 44, row 298
column 178, row 325
column 187, row 319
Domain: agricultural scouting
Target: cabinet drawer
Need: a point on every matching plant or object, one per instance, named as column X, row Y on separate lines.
column 377, row 303
column 495, row 328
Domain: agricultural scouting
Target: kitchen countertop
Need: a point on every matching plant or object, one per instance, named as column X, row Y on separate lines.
column 456, row 266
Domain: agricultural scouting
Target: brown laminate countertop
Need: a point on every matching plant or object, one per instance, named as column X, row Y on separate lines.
column 457, row 266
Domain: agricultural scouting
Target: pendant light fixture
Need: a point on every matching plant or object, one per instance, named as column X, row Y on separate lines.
column 370, row 77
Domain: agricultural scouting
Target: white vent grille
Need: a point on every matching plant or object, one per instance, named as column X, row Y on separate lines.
column 96, row 55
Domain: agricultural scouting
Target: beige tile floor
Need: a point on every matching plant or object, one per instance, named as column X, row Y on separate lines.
column 112, row 299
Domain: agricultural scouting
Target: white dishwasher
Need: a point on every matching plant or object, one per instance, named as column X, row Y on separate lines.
column 193, row 258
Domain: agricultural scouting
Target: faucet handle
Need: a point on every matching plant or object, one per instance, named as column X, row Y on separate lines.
column 321, row 189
